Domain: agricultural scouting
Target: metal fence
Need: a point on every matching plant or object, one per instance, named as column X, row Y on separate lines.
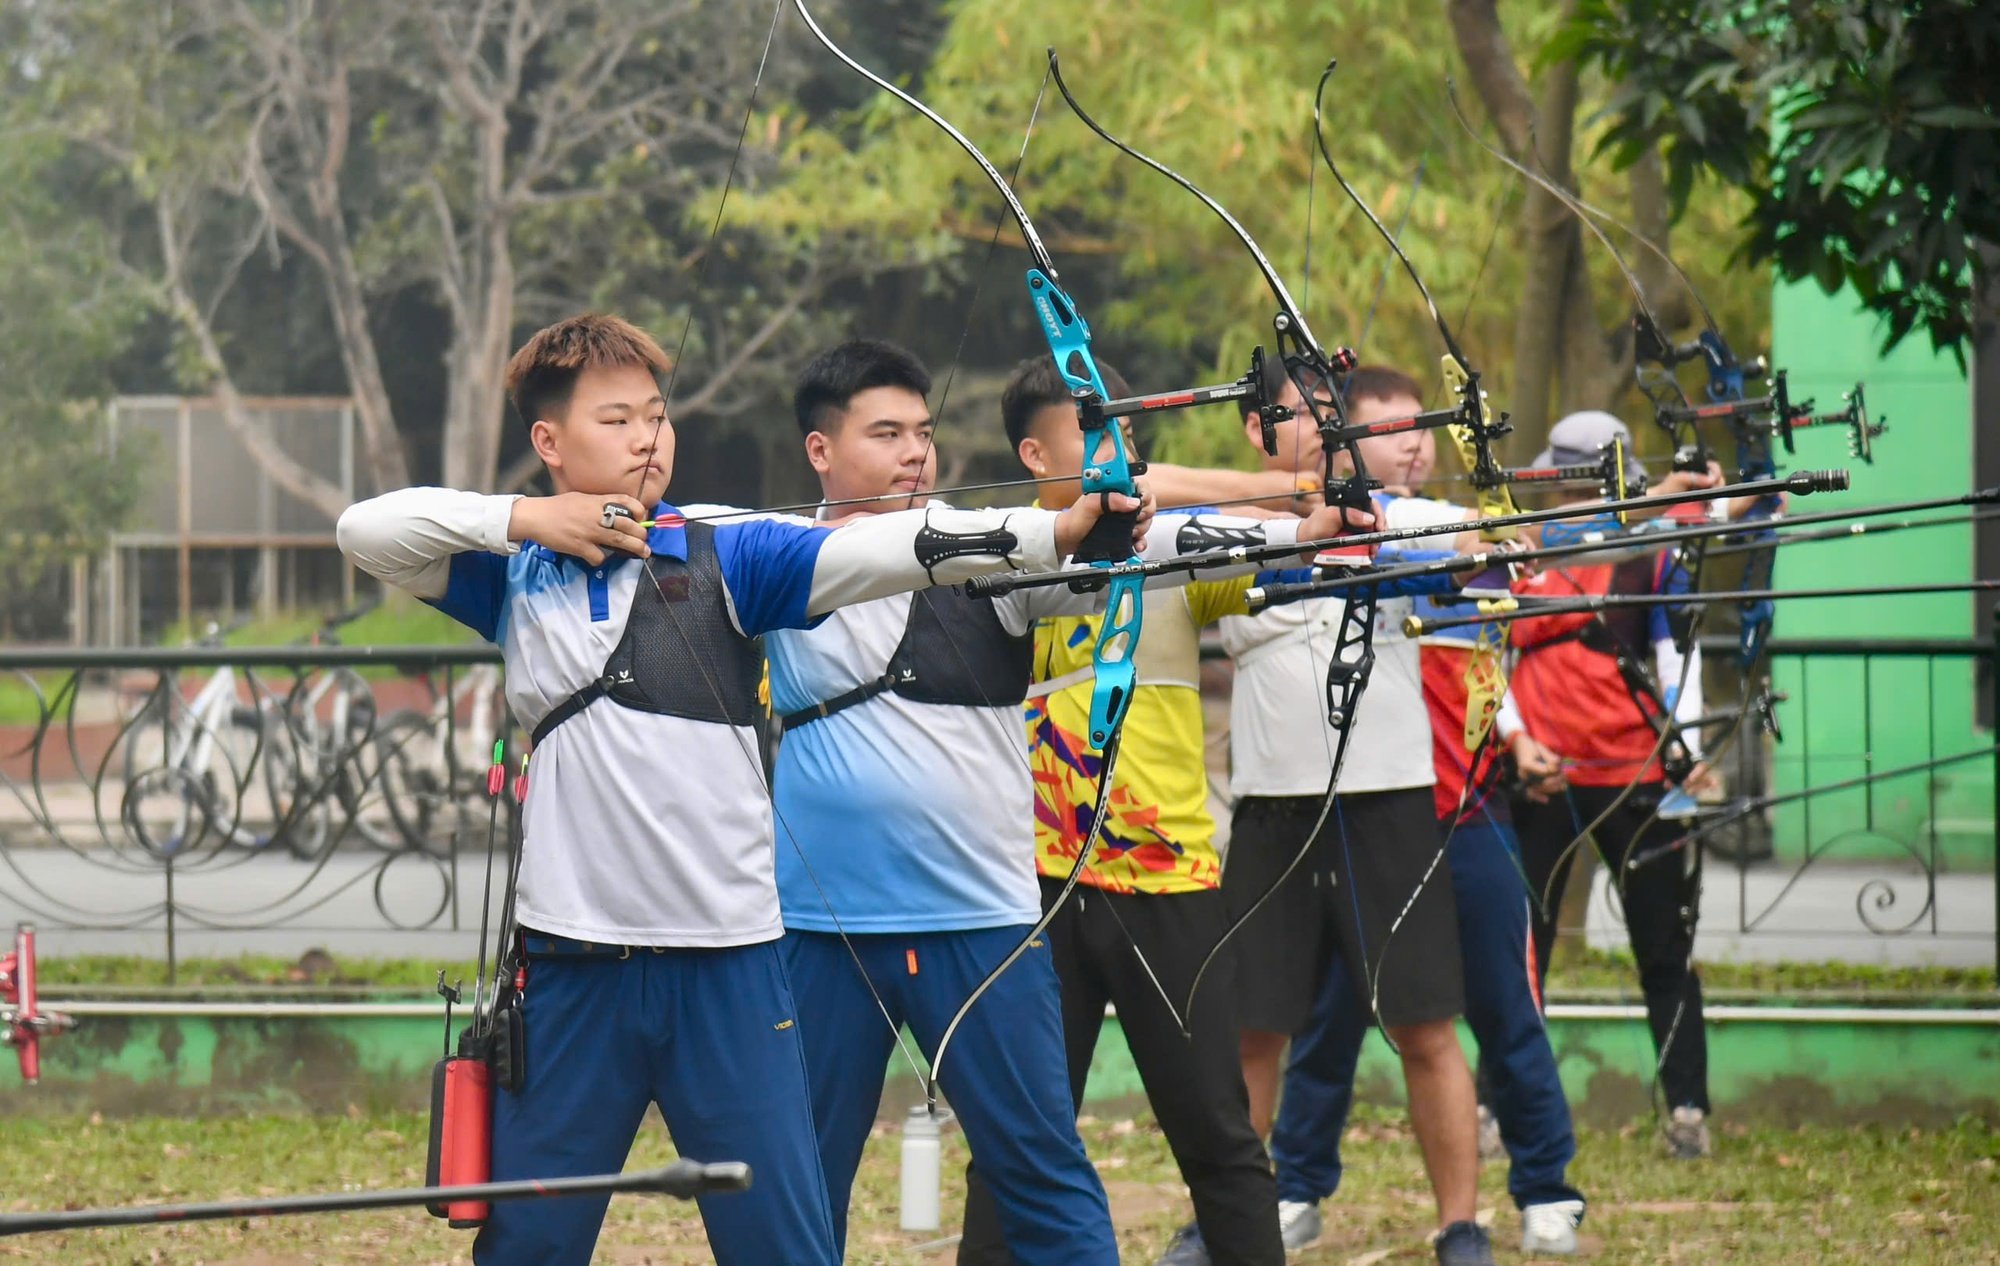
column 192, row 801
column 198, row 800
column 1876, row 788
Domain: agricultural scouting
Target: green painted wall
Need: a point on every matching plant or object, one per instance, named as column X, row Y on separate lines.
column 1774, row 1071
column 1920, row 710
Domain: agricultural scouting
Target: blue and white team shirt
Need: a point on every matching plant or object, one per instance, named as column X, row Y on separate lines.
column 897, row 816
column 639, row 829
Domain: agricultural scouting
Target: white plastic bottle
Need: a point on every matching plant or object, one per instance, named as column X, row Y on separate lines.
column 922, row 1170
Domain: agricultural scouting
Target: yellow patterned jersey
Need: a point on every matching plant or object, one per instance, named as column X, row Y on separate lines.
column 1158, row 835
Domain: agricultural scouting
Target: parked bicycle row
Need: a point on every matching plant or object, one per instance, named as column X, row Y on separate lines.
column 302, row 760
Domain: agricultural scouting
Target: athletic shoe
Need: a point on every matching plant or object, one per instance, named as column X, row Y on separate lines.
column 1298, row 1223
column 1490, row 1146
column 1186, row 1250
column 1687, row 1134
column 1551, row 1227
column 1463, row 1244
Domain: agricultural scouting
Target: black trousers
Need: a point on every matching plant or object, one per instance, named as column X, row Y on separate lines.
column 1660, row 896
column 1195, row 1084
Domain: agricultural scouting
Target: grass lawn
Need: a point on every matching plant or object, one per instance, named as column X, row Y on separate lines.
column 1576, row 970
column 1812, row 1195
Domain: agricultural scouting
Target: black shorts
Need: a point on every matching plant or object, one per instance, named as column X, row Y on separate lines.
column 1372, row 853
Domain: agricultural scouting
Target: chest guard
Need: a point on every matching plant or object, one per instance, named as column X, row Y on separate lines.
column 954, row 650
column 1625, row 628
column 681, row 654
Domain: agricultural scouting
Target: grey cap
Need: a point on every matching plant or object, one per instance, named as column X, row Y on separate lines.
column 1580, row 438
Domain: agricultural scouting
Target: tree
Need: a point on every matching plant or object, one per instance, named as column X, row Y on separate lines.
column 61, row 323
column 1865, row 134
column 507, row 159
column 1223, row 93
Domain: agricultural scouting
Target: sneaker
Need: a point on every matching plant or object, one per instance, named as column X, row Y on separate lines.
column 1186, row 1250
column 1298, row 1223
column 1687, row 1134
column 1463, row 1244
column 1551, row 1227
column 1490, row 1146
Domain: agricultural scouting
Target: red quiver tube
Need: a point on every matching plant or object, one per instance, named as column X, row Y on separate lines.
column 461, row 1135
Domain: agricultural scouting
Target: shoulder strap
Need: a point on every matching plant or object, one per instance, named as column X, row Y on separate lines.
column 899, row 672
column 568, row 708
column 841, row 702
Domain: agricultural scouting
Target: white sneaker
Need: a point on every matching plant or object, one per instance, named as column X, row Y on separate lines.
column 1551, row 1227
column 1298, row 1223
column 1491, row 1148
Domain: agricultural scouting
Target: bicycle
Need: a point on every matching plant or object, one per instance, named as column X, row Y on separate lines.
column 174, row 801
column 306, row 753
column 433, row 765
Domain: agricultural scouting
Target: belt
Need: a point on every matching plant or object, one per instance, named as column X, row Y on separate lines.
column 542, row 945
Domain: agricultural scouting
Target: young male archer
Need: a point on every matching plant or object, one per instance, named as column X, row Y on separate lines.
column 906, row 868
column 1149, row 900
column 647, row 901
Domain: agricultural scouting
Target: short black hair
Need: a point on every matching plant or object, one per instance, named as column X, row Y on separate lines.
column 1379, row 382
column 1035, row 385
column 844, row 371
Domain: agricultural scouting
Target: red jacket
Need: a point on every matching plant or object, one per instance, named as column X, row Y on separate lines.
column 1572, row 697
column 1445, row 699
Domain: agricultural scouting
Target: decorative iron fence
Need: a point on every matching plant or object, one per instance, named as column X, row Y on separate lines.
column 1878, row 769
column 1863, row 832
column 205, row 795
column 195, row 799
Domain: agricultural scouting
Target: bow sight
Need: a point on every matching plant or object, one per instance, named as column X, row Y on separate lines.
column 1256, row 385
column 1754, row 418
column 1861, row 432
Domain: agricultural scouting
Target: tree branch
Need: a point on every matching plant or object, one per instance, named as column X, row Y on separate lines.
column 700, row 399
column 287, row 471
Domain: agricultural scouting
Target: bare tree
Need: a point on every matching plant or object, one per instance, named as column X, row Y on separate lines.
column 499, row 154
column 1564, row 354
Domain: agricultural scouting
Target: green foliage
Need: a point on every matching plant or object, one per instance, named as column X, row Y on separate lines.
column 126, row 975
column 1577, row 970
column 62, row 321
column 399, row 620
column 1865, row 133
column 1222, row 93
column 333, row 176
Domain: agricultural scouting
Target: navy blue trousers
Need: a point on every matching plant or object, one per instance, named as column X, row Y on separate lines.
column 1502, row 1010
column 710, row 1035
column 1005, row 1074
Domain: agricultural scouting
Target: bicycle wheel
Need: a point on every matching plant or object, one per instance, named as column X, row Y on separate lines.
column 299, row 791
column 428, row 800
column 350, row 751
column 167, row 807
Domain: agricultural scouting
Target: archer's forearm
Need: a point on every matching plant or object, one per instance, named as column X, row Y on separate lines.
column 886, row 554
column 407, row 538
